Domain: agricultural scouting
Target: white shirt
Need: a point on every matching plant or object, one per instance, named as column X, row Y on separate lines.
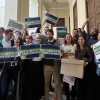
column 51, row 40
column 36, row 59
column 28, row 44
column 69, row 51
column 6, row 44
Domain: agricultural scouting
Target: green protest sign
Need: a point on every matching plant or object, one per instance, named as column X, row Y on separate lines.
column 33, row 22
column 50, row 51
column 61, row 32
column 96, row 49
column 16, row 25
column 8, row 54
column 30, row 51
column 51, row 19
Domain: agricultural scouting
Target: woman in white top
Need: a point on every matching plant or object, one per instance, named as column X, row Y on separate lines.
column 68, row 52
column 68, row 48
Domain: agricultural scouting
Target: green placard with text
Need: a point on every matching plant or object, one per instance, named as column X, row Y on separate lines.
column 61, row 32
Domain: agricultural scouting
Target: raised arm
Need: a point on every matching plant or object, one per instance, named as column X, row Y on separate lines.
column 83, row 26
column 43, row 23
column 25, row 33
column 38, row 29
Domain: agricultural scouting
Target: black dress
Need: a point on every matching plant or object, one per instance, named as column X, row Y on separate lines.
column 33, row 80
column 87, row 85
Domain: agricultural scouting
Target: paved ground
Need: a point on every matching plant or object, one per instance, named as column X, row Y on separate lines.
column 52, row 96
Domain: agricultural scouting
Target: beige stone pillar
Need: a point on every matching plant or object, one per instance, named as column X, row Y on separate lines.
column 23, row 10
column 40, row 8
column 41, row 12
column 33, row 9
column 10, row 11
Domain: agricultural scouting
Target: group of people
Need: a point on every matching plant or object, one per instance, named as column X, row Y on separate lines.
column 31, row 78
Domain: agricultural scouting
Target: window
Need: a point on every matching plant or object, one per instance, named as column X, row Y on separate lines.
column 33, row 8
column 2, row 10
column 33, row 11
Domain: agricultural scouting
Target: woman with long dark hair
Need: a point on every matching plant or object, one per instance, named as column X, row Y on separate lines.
column 86, row 86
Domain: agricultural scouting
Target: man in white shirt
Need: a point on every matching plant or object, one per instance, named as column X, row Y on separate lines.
column 7, row 41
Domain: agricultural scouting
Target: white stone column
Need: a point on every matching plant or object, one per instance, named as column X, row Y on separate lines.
column 23, row 10
column 10, row 11
column 2, row 8
column 33, row 8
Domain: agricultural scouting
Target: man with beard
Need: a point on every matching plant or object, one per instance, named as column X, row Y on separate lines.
column 92, row 36
column 75, row 35
column 52, row 67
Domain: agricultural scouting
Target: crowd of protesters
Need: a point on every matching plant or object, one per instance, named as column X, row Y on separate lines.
column 31, row 78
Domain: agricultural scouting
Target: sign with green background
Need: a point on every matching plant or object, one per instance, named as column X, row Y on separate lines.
column 61, row 32
column 8, row 54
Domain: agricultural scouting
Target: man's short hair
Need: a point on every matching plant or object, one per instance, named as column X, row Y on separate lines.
column 46, row 27
column 1, row 28
column 75, row 29
column 7, row 31
column 50, row 30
